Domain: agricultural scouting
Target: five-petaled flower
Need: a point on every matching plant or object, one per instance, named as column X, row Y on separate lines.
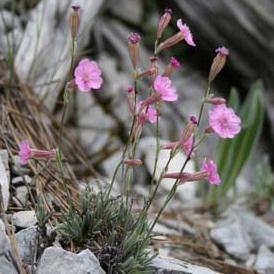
column 186, row 32
column 223, row 121
column 88, row 75
column 26, row 152
column 163, row 86
column 210, row 167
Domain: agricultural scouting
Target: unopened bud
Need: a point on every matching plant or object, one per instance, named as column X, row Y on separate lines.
column 186, row 176
column 215, row 100
column 130, row 89
column 187, row 132
column 218, row 63
column 163, row 22
column 172, row 66
column 171, row 41
column 133, row 162
column 74, row 21
column 133, row 47
column 172, row 145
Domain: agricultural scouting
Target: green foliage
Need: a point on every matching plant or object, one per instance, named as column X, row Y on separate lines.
column 232, row 154
column 263, row 194
column 108, row 228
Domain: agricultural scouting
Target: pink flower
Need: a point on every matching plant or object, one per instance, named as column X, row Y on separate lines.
column 211, row 168
column 224, row 122
column 24, row 152
column 186, row 32
column 88, row 75
column 163, row 86
column 147, row 113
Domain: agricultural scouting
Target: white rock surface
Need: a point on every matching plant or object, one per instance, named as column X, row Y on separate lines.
column 21, row 180
column 240, row 231
column 22, row 194
column 162, row 265
column 7, row 264
column 147, row 147
column 25, row 240
column 130, row 11
column 234, row 238
column 24, row 219
column 4, row 178
column 58, row 261
column 265, row 261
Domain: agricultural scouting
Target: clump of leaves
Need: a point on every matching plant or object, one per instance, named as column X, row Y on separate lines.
column 108, row 228
column 232, row 154
column 262, row 197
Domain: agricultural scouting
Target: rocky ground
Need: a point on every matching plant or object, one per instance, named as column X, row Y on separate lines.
column 237, row 242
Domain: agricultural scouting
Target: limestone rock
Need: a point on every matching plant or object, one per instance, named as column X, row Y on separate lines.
column 59, row 261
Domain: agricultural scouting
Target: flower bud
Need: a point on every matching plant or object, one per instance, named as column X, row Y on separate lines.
column 171, row 41
column 173, row 65
column 186, row 176
column 172, row 145
column 215, row 100
column 74, row 21
column 133, row 47
column 163, row 23
column 133, row 162
column 187, row 132
column 218, row 63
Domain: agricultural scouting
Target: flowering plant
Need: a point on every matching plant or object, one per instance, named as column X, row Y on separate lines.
column 222, row 121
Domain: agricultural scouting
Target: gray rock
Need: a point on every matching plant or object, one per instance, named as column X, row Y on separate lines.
column 22, row 194
column 260, row 232
column 21, row 180
column 240, row 231
column 233, row 237
column 59, row 261
column 163, row 265
column 130, row 11
column 4, row 179
column 25, row 240
column 24, row 219
column 5, row 158
column 17, row 168
column 265, row 261
column 7, row 263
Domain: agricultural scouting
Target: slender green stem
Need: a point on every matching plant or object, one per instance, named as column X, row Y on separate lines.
column 206, row 93
column 165, row 169
column 175, row 185
column 130, row 138
column 157, row 152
